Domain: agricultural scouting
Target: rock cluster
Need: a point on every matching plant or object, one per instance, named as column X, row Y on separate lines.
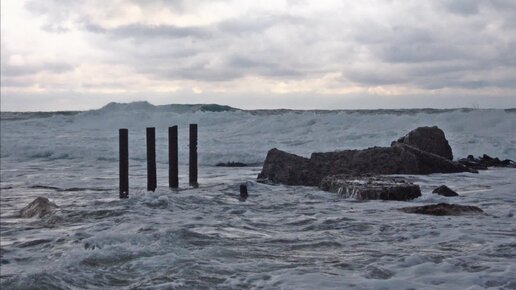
column 485, row 161
column 400, row 158
column 442, row 209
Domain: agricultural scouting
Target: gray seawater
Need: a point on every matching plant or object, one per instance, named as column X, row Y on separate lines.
column 282, row 237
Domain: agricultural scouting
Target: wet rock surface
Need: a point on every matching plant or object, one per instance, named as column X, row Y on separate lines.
column 429, row 139
column 371, row 187
column 290, row 169
column 442, row 209
column 39, row 207
column 486, row 161
column 445, row 191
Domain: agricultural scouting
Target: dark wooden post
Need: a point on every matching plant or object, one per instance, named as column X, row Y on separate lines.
column 193, row 155
column 123, row 142
column 243, row 192
column 173, row 180
column 151, row 159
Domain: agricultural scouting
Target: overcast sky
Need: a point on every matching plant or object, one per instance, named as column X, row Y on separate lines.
column 68, row 54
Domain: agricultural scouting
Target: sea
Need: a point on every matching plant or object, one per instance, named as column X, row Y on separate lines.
column 281, row 237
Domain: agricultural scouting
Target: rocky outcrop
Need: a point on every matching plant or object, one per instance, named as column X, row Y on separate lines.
column 445, row 191
column 290, row 169
column 39, row 207
column 485, row 161
column 442, row 209
column 371, row 187
column 429, row 139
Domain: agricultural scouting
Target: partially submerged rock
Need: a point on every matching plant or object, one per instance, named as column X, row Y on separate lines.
column 371, row 187
column 429, row 139
column 445, row 191
column 485, row 161
column 39, row 207
column 442, row 209
column 290, row 169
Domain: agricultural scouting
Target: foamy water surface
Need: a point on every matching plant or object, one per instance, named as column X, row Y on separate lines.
column 281, row 237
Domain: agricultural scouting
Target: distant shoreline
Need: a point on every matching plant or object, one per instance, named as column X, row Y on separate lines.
column 190, row 108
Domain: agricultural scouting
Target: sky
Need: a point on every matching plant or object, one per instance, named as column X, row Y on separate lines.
column 325, row 54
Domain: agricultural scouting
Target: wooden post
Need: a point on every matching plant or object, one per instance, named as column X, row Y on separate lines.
column 193, row 156
column 123, row 142
column 151, row 159
column 243, row 192
column 173, row 180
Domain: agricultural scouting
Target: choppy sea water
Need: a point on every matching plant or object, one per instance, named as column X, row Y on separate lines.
column 281, row 237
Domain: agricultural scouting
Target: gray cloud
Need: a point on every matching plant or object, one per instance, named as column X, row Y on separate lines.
column 138, row 31
column 23, row 70
column 463, row 7
column 466, row 44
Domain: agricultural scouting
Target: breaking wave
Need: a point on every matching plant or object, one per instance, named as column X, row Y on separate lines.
column 229, row 134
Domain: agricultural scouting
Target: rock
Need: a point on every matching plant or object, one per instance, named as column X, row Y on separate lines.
column 290, row 169
column 442, row 209
column 231, row 164
column 445, row 191
column 286, row 168
column 39, row 207
column 429, row 139
column 371, row 187
column 482, row 163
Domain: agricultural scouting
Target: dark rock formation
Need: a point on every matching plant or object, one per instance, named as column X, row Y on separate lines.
column 231, row 164
column 482, row 163
column 286, row 168
column 39, row 207
column 429, row 139
column 371, row 187
column 445, row 191
column 443, row 209
column 290, row 169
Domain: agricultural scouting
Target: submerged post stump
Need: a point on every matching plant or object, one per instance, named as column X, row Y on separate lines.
column 173, row 180
column 193, row 156
column 151, row 159
column 243, row 192
column 124, row 162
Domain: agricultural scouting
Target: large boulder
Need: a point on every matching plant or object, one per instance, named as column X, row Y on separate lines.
column 429, row 139
column 286, row 168
column 371, row 187
column 290, row 169
column 441, row 209
column 39, row 207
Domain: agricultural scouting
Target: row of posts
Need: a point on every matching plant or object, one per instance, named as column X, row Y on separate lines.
column 173, row 179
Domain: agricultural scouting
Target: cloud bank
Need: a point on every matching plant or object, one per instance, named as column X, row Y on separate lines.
column 259, row 54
